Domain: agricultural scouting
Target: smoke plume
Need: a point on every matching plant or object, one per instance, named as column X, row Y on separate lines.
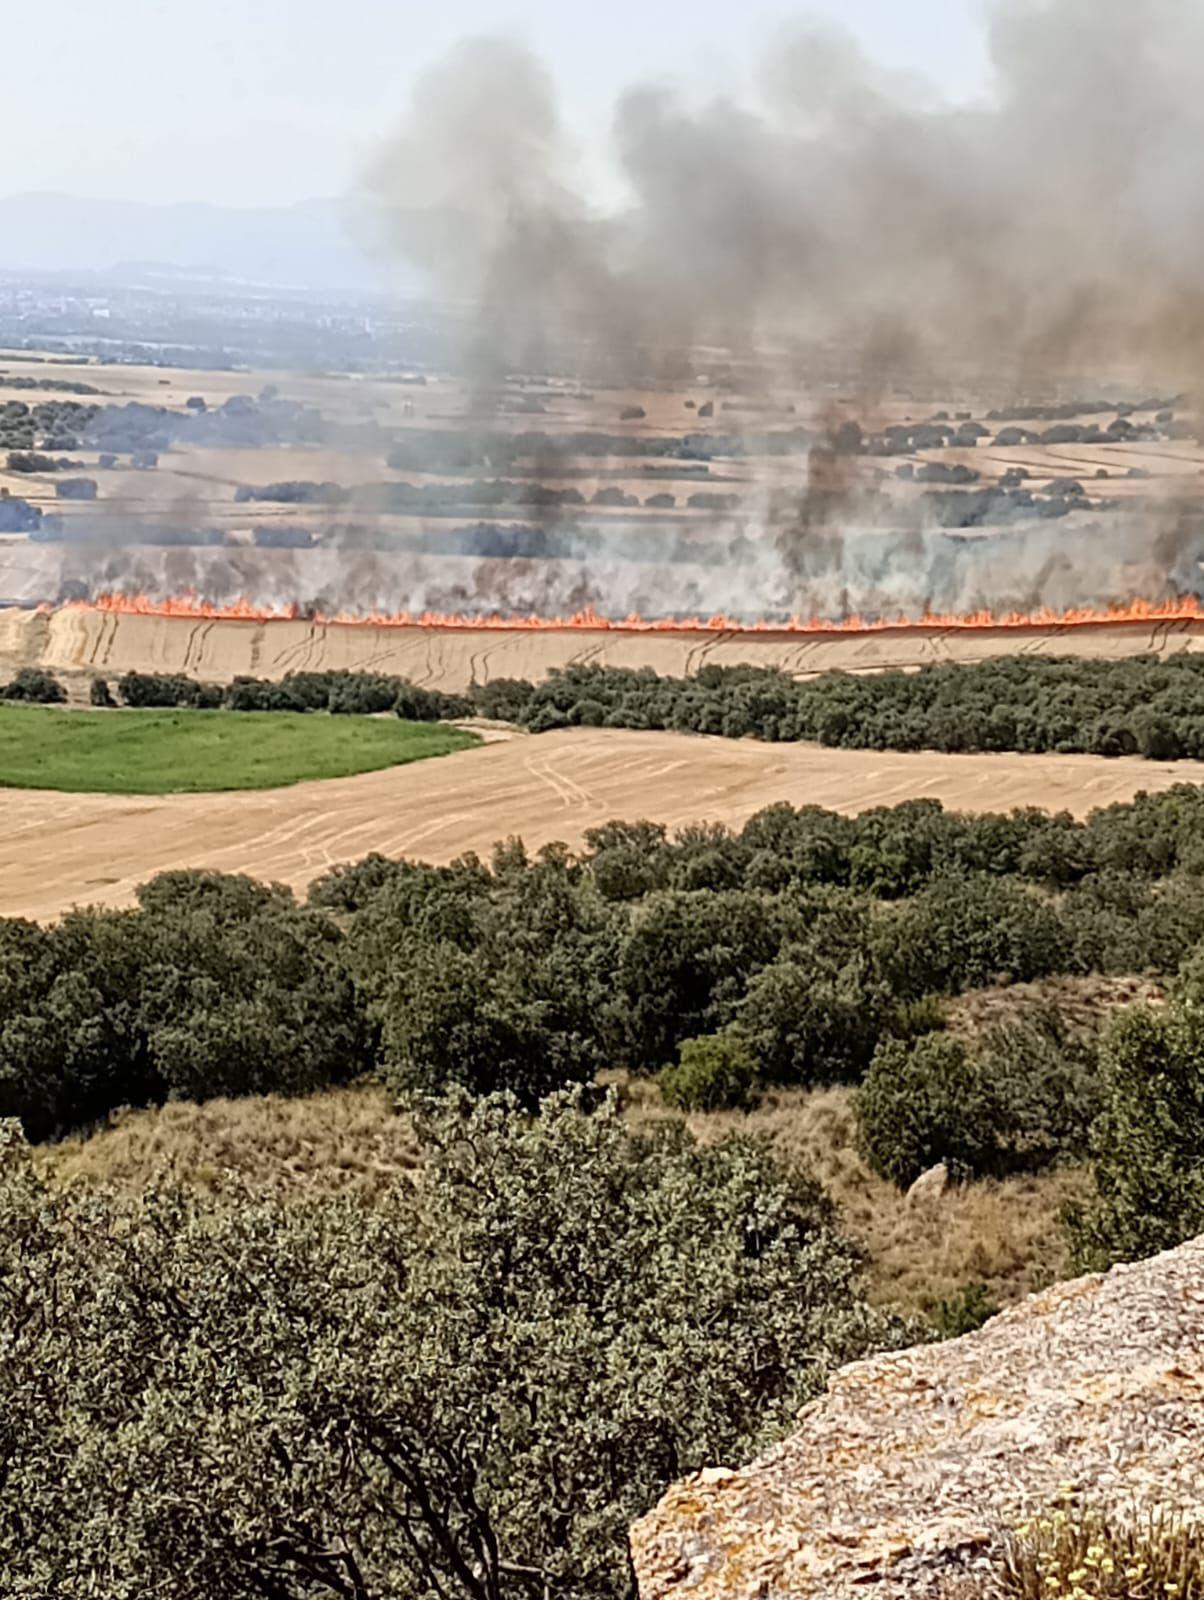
column 838, row 231
column 1058, row 222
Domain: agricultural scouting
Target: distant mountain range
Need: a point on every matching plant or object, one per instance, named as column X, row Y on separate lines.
column 308, row 245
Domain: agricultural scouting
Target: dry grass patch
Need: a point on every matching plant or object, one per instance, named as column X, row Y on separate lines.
column 1003, row 1234
column 1084, row 1004
column 340, row 1141
column 1078, row 1553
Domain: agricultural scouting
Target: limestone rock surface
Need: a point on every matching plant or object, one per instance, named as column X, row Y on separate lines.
column 909, row 1468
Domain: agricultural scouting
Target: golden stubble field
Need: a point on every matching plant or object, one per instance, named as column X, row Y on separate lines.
column 59, row 850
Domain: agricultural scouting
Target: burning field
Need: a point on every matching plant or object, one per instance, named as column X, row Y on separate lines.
column 902, row 382
column 216, row 644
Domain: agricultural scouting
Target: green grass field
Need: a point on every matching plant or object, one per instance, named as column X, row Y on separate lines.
column 190, row 752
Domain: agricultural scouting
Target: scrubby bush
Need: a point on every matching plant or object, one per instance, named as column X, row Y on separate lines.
column 35, row 685
column 504, row 699
column 716, row 1073
column 100, row 694
column 416, row 704
column 969, row 932
column 1021, row 1098
column 449, row 1020
column 344, row 693
column 468, row 1389
column 261, row 694
column 924, row 1103
column 1117, row 922
column 76, row 489
column 1147, row 1144
column 684, row 961
column 629, row 859
column 156, row 689
column 965, row 1312
column 912, row 1019
column 351, row 885
column 490, row 980
column 807, row 1025
column 1045, row 1081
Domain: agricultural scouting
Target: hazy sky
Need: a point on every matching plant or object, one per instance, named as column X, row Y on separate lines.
column 252, row 102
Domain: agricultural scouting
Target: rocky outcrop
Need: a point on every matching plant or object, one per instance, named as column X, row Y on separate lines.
column 911, row 1465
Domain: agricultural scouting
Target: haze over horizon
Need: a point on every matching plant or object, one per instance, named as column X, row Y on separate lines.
column 282, row 102
column 280, row 108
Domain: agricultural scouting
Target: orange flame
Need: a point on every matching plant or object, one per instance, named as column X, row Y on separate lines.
column 1184, row 608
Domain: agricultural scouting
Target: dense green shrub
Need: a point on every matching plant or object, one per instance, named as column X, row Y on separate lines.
column 351, row 885
column 629, row 859
column 686, row 960
column 73, row 1039
column 1021, row 1098
column 344, row 693
column 469, row 1388
column 142, row 689
column 213, row 986
column 923, row 1103
column 449, row 1020
column 361, row 693
column 490, row 980
column 806, row 1025
column 263, row 694
column 504, row 699
column 1045, row 1081
column 1117, row 922
column 964, row 1312
column 36, row 685
column 416, row 704
column 100, row 694
column 1144, row 705
column 968, row 932
column 1147, row 1144
column 715, row 1073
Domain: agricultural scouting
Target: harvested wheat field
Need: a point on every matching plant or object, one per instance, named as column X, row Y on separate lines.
column 57, row 850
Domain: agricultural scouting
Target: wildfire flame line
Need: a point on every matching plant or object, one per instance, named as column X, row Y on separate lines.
column 1184, row 608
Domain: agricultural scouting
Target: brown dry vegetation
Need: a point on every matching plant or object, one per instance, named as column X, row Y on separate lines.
column 1002, row 1234
column 1084, row 1004
column 343, row 1140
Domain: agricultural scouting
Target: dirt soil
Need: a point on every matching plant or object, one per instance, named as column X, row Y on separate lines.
column 57, row 850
